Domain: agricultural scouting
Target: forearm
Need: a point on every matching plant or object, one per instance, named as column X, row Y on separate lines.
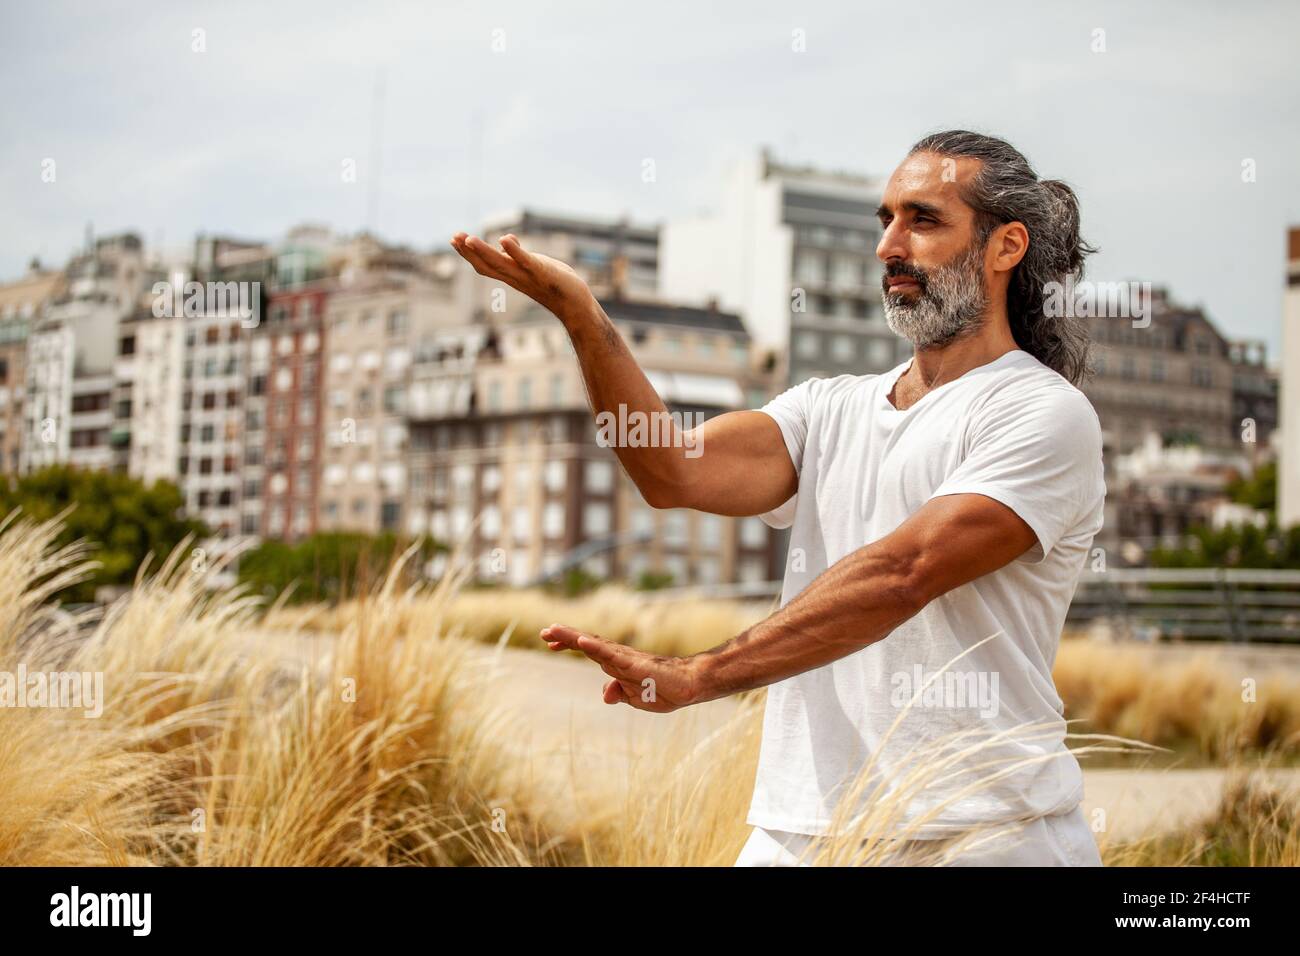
column 613, row 378
column 854, row 603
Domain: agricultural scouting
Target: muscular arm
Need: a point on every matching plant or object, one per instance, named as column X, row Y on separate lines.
column 854, row 603
column 733, row 464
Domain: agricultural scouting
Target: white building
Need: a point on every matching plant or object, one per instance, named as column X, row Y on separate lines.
column 72, row 356
column 149, row 394
column 793, row 251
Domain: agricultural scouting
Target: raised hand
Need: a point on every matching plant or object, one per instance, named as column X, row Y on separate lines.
column 650, row 682
column 548, row 282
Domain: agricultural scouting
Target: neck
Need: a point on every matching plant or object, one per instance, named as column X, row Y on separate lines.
column 934, row 366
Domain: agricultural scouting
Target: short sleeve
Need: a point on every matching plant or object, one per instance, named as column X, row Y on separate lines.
column 1040, row 457
column 791, row 411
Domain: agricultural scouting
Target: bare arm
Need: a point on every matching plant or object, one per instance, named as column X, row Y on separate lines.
column 854, row 603
column 733, row 464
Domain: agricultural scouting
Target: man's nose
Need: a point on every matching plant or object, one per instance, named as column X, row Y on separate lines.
column 893, row 244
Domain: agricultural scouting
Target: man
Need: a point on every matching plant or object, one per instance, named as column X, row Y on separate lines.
column 950, row 500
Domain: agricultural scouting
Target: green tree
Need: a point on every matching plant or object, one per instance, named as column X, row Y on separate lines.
column 122, row 517
column 1257, row 491
column 1235, row 546
column 330, row 566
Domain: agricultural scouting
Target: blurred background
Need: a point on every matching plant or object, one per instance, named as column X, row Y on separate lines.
column 701, row 168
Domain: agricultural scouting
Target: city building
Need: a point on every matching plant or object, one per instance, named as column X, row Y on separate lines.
column 72, row 352
column 501, row 429
column 608, row 254
column 1178, row 377
column 1158, row 493
column 375, row 322
column 1182, row 409
column 282, row 413
column 22, row 303
column 793, row 251
column 1289, row 459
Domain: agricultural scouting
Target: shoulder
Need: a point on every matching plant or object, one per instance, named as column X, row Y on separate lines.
column 1028, row 390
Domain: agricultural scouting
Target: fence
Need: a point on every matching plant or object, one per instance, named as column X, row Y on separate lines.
column 1238, row 606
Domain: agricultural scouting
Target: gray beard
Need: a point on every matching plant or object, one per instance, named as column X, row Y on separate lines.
column 951, row 305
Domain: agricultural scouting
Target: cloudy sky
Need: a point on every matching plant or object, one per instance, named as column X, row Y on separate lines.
column 488, row 107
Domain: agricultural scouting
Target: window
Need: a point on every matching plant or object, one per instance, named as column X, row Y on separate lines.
column 553, row 520
column 394, row 399
column 753, row 533
column 599, row 478
column 596, row 518
column 676, row 533
column 554, row 475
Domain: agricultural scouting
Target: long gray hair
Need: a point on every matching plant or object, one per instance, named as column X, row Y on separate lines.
column 1006, row 189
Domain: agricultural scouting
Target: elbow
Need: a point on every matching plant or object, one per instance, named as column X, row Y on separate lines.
column 908, row 584
column 663, row 497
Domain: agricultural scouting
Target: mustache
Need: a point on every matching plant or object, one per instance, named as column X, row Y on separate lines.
column 909, row 270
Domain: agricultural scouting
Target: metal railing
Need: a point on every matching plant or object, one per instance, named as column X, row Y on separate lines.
column 1216, row 604
column 1239, row 606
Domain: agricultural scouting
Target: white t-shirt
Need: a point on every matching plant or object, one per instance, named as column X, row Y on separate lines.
column 1012, row 430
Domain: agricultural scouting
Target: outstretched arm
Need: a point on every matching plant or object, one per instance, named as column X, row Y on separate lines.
column 857, row 601
column 733, row 464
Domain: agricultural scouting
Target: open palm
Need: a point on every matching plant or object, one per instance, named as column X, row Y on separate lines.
column 549, row 282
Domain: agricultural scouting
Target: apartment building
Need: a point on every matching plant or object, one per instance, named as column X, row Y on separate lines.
column 792, row 250
column 1178, row 377
column 374, row 325
column 609, row 254
column 22, row 303
column 149, row 388
column 72, row 350
column 282, row 413
column 501, row 429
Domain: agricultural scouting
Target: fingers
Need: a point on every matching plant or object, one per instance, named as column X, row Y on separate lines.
column 510, row 243
column 614, row 693
column 562, row 635
column 486, row 260
column 613, row 658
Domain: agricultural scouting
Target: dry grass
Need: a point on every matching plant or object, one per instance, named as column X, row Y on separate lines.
column 216, row 748
column 614, row 612
column 1194, row 703
column 1255, row 824
column 225, row 743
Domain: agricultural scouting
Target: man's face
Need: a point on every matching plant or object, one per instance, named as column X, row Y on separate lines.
column 934, row 281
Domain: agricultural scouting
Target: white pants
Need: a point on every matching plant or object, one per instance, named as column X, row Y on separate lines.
column 1061, row 840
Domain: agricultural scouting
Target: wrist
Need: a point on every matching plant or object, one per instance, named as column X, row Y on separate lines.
column 577, row 312
column 707, row 678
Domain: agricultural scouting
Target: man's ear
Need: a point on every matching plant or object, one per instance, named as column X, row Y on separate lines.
column 1008, row 244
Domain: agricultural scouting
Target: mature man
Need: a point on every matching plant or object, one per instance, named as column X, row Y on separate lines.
column 950, row 500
